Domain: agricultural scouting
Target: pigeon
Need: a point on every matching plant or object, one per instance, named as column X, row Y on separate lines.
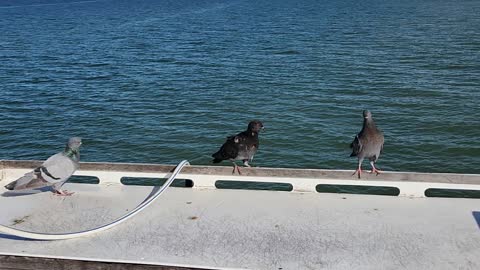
column 242, row 146
column 54, row 172
column 367, row 144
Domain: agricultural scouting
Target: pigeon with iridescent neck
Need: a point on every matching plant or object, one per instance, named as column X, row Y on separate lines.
column 54, row 172
column 367, row 144
column 242, row 146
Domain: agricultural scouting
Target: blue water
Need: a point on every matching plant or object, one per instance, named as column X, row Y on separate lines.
column 160, row 81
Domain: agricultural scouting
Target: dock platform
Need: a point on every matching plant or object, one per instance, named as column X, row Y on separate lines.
column 204, row 227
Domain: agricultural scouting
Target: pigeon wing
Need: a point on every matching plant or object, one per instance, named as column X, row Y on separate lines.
column 58, row 168
column 356, row 146
column 229, row 150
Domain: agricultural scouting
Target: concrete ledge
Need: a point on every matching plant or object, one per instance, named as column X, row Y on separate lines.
column 450, row 178
column 239, row 229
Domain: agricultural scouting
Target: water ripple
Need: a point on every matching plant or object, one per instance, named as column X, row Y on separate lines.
column 150, row 81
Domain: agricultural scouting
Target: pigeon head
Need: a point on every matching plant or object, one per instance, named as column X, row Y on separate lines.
column 74, row 143
column 367, row 114
column 255, row 126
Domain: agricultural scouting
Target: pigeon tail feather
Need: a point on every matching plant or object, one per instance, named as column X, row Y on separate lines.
column 22, row 182
column 353, row 154
column 218, row 157
column 217, row 160
column 11, row 186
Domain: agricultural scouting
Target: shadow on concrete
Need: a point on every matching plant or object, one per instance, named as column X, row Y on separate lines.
column 476, row 216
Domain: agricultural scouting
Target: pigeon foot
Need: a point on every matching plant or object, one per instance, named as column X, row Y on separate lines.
column 237, row 168
column 62, row 193
column 375, row 170
column 359, row 171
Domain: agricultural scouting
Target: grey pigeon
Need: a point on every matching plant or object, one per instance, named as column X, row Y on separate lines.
column 242, row 146
column 54, row 172
column 367, row 144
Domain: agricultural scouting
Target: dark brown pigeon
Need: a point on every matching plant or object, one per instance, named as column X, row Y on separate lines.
column 367, row 144
column 242, row 146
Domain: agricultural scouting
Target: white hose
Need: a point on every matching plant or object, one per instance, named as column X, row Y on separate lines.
column 62, row 236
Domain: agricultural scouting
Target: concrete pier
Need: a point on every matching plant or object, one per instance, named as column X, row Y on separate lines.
column 202, row 227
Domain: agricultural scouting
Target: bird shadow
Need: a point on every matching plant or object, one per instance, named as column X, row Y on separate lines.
column 476, row 216
column 18, row 193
